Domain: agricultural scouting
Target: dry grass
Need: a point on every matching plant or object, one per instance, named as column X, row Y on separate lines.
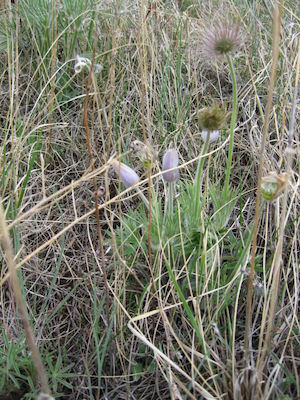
column 118, row 321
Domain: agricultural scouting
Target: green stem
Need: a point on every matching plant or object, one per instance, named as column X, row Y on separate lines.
column 232, row 123
column 143, row 197
column 197, row 183
column 185, row 304
column 171, row 199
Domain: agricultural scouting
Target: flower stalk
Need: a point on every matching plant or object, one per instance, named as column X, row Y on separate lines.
column 171, row 196
column 22, row 310
column 275, row 55
column 170, row 175
column 197, row 182
column 232, row 123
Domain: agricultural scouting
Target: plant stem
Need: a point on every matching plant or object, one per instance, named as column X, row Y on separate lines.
column 143, row 198
column 53, row 67
column 92, row 167
column 171, row 199
column 197, row 182
column 143, row 70
column 232, row 123
column 278, row 262
column 14, row 280
column 276, row 39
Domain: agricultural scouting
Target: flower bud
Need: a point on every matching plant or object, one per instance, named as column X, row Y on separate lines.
column 273, row 184
column 213, row 135
column 127, row 175
column 170, row 160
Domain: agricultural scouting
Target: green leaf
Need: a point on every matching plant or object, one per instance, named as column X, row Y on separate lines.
column 137, row 369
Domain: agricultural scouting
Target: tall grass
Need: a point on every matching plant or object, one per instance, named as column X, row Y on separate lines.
column 147, row 301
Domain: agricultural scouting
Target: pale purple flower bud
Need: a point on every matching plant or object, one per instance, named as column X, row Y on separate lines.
column 127, row 175
column 170, row 160
column 213, row 135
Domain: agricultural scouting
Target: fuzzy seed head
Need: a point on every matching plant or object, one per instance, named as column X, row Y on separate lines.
column 127, row 175
column 144, row 151
column 222, row 39
column 211, row 119
column 170, row 160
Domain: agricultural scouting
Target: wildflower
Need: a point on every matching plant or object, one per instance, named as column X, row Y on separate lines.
column 273, row 185
column 98, row 68
column 222, row 39
column 213, row 135
column 127, row 175
column 170, row 160
column 82, row 62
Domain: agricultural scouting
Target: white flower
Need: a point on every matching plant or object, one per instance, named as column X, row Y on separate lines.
column 98, row 68
column 170, row 160
column 82, row 62
column 213, row 135
column 127, row 175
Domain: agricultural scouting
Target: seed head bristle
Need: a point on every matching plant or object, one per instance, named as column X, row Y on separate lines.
column 221, row 39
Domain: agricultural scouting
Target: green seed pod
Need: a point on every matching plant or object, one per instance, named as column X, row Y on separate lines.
column 273, row 184
column 211, row 119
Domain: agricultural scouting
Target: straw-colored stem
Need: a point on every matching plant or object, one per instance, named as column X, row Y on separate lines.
column 53, row 67
column 92, row 166
column 112, row 74
column 14, row 280
column 143, row 69
column 276, row 37
column 278, row 252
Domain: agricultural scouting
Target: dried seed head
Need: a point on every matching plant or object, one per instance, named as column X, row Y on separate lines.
column 144, row 151
column 170, row 160
column 273, row 185
column 222, row 39
column 127, row 175
column 100, row 191
column 211, row 119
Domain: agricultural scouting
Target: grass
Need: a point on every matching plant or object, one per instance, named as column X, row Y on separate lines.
column 126, row 301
